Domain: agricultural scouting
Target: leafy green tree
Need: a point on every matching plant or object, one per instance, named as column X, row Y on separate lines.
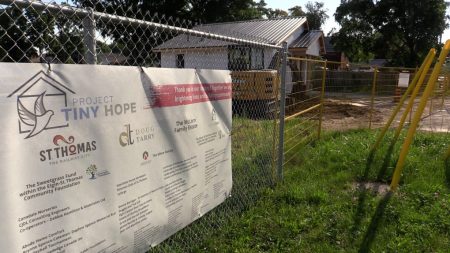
column 14, row 44
column 27, row 33
column 296, row 11
column 316, row 15
column 138, row 41
column 400, row 31
column 277, row 13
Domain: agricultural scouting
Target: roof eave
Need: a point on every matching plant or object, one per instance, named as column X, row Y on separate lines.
column 292, row 31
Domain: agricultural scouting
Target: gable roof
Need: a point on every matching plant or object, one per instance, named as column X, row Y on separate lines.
column 47, row 79
column 271, row 31
column 306, row 39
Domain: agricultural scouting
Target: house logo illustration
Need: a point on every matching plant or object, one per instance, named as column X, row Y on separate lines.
column 39, row 104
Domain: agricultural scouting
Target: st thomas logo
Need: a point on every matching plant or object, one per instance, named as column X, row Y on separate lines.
column 39, row 102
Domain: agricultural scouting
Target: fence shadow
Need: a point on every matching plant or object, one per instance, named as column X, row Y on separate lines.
column 386, row 162
column 359, row 214
column 447, row 171
column 371, row 232
column 364, row 192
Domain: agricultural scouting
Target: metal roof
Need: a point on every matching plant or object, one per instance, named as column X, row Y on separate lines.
column 306, row 39
column 271, row 31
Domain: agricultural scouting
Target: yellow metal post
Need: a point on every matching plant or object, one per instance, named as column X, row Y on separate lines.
column 412, row 99
column 322, row 95
column 411, row 86
column 447, row 154
column 415, row 122
column 372, row 99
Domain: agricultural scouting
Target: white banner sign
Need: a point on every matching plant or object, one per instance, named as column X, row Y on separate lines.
column 107, row 158
column 403, row 80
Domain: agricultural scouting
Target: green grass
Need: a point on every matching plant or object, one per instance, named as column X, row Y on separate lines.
column 318, row 209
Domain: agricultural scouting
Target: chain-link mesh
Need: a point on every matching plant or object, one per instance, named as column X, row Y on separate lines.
column 362, row 96
column 304, row 95
column 436, row 117
column 319, row 94
column 110, row 33
column 355, row 96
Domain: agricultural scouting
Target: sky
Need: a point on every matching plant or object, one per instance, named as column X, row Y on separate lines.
column 331, row 5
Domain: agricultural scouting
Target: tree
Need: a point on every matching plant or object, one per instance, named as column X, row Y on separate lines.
column 400, row 31
column 296, row 11
column 91, row 170
column 277, row 13
column 316, row 15
column 27, row 33
column 14, row 44
column 138, row 41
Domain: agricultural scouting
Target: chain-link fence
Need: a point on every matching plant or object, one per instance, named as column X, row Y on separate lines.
column 436, row 117
column 308, row 95
column 339, row 96
column 109, row 33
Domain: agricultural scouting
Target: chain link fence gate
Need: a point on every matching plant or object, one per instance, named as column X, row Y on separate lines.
column 106, row 33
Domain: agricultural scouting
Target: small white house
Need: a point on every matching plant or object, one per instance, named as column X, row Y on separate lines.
column 184, row 51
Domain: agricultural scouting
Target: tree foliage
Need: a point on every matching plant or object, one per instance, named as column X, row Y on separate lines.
column 26, row 33
column 139, row 41
column 296, row 11
column 277, row 13
column 205, row 11
column 316, row 15
column 14, row 45
column 400, row 31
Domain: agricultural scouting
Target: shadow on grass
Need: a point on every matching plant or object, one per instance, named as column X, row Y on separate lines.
column 386, row 162
column 447, row 171
column 371, row 232
column 364, row 192
column 362, row 197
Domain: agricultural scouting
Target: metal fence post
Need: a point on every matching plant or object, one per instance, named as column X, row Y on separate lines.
column 90, row 55
column 282, row 111
column 372, row 99
column 322, row 95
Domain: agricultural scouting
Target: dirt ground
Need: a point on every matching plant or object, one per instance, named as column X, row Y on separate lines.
column 354, row 113
column 344, row 114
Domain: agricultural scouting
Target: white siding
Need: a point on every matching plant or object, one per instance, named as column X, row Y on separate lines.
column 257, row 58
column 202, row 59
column 289, row 83
column 314, row 49
column 268, row 55
column 168, row 60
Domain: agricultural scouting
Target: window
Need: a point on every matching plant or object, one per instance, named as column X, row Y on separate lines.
column 180, row 61
column 257, row 58
column 239, row 58
column 245, row 58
